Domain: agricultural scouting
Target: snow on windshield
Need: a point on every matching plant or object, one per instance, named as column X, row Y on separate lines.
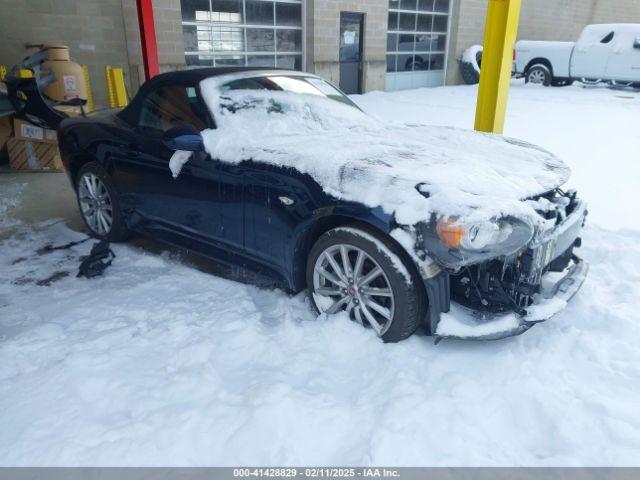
column 359, row 158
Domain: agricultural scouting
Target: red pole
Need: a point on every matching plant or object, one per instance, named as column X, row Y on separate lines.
column 148, row 38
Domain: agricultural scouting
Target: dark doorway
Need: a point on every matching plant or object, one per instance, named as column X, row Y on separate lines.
column 351, row 36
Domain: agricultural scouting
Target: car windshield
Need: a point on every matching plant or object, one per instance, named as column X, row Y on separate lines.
column 306, row 85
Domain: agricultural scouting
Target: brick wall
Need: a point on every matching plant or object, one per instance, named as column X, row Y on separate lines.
column 561, row 20
column 323, row 32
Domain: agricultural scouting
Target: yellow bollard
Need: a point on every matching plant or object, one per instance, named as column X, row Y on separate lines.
column 116, row 88
column 119, row 87
column 110, row 94
column 90, row 105
column 497, row 58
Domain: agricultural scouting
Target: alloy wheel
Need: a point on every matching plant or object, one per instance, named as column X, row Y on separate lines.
column 95, row 203
column 537, row 77
column 346, row 278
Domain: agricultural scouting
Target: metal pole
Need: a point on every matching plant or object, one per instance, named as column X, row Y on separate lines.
column 148, row 38
column 497, row 58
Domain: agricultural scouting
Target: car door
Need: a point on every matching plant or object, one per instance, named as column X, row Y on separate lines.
column 194, row 205
column 624, row 64
column 278, row 201
column 592, row 52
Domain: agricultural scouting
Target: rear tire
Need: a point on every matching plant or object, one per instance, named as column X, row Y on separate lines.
column 470, row 68
column 538, row 74
column 99, row 204
column 390, row 302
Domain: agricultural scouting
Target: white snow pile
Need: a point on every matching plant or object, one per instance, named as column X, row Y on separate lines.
column 157, row 363
column 358, row 158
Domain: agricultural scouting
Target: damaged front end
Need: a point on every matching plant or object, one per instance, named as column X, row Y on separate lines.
column 503, row 287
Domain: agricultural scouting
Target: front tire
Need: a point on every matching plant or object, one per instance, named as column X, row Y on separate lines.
column 99, row 205
column 538, row 74
column 351, row 270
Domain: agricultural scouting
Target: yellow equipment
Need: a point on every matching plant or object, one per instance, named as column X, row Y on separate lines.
column 90, row 105
column 69, row 81
column 497, row 58
column 116, row 87
column 25, row 73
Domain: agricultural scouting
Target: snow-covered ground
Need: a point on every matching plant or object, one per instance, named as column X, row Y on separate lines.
column 157, row 363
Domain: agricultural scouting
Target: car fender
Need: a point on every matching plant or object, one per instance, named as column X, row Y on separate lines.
column 373, row 220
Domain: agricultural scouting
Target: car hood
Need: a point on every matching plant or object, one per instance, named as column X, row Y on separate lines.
column 411, row 171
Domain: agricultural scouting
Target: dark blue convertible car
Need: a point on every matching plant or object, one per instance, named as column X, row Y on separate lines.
column 279, row 222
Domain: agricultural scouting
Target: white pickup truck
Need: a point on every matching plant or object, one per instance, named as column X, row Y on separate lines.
column 603, row 53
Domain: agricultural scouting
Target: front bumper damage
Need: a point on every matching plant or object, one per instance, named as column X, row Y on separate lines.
column 504, row 298
column 467, row 324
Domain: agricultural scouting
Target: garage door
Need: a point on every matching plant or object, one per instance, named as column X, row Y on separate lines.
column 224, row 33
column 417, row 43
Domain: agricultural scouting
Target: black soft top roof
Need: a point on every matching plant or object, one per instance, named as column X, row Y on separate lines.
column 189, row 77
column 198, row 74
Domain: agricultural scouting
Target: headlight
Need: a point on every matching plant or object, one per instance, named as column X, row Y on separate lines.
column 456, row 242
column 475, row 236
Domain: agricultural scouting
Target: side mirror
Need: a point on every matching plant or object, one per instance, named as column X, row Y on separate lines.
column 636, row 43
column 184, row 137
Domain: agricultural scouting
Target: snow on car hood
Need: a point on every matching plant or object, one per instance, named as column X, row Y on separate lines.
column 359, row 158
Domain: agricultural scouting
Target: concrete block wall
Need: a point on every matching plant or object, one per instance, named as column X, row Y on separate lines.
column 98, row 33
column 323, row 39
column 561, row 20
column 168, row 23
column 93, row 30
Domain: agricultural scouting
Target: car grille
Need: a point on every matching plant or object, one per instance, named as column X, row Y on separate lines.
column 555, row 205
column 552, row 247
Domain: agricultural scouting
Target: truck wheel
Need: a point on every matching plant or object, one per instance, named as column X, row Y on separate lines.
column 538, row 74
column 99, row 205
column 354, row 271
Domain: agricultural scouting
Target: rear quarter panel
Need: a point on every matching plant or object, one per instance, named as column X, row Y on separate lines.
column 558, row 54
column 83, row 139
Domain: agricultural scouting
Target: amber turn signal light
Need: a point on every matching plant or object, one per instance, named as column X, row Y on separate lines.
column 450, row 233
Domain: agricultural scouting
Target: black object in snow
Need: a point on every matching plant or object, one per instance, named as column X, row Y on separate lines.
column 97, row 261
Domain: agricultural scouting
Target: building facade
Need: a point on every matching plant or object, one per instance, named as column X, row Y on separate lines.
column 360, row 45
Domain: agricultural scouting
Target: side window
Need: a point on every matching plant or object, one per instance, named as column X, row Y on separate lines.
column 169, row 107
column 608, row 38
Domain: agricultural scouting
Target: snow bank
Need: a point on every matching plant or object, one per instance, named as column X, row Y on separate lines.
column 358, row 158
column 157, row 363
